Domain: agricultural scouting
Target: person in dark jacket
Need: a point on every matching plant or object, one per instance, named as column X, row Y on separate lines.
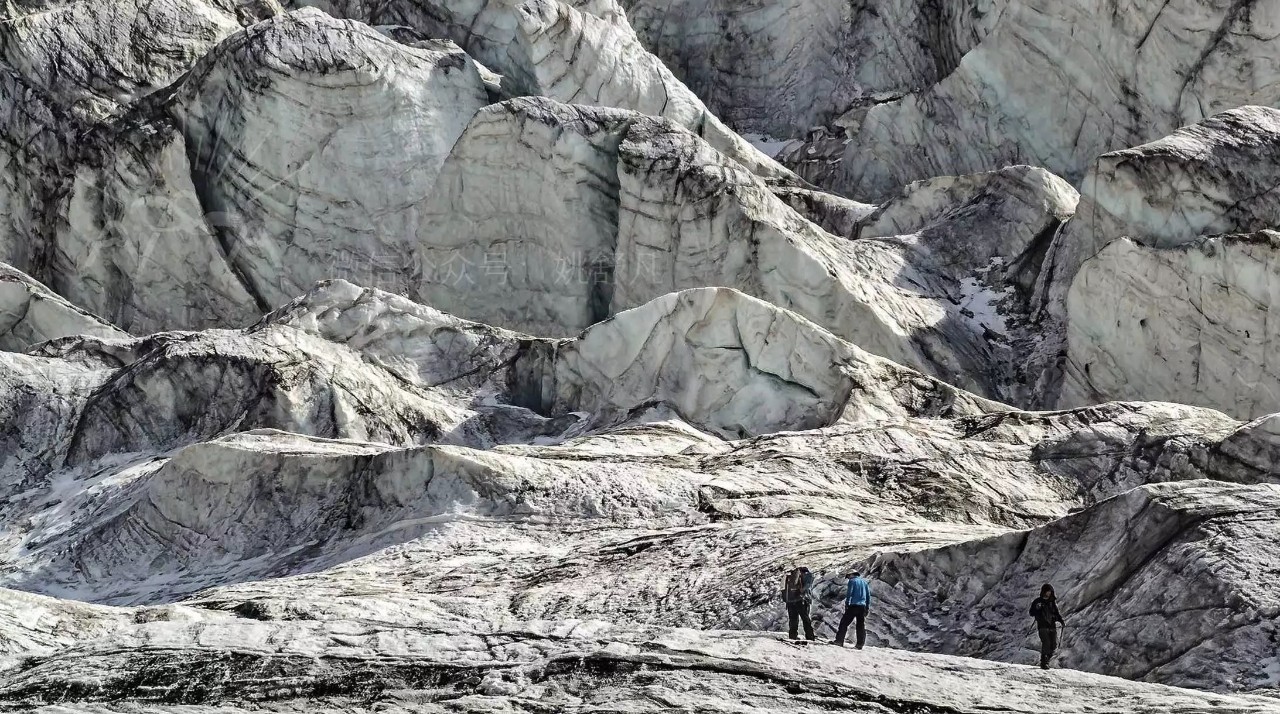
column 857, row 603
column 1045, row 610
column 796, row 592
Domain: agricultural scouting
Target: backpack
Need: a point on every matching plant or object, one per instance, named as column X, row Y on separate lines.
column 793, row 587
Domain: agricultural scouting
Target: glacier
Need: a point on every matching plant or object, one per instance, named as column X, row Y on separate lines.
column 503, row 355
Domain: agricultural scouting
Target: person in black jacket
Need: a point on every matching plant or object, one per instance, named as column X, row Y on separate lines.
column 1045, row 610
column 797, row 593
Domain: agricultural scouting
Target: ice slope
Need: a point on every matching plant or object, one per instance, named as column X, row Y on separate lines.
column 577, row 478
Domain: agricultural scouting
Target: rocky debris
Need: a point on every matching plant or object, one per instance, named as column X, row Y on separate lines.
column 1157, row 584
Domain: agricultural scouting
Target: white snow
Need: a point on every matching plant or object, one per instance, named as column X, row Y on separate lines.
column 768, row 145
column 983, row 303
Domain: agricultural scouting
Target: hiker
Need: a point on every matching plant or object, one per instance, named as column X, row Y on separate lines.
column 1045, row 610
column 795, row 592
column 857, row 603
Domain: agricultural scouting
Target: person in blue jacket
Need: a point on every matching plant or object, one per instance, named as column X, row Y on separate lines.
column 857, row 603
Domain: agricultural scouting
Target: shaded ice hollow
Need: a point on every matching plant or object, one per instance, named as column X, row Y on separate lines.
column 421, row 356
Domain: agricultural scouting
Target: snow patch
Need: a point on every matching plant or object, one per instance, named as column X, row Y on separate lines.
column 768, row 145
column 981, row 305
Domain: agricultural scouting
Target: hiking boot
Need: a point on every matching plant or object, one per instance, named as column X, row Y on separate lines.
column 857, row 647
column 839, row 643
